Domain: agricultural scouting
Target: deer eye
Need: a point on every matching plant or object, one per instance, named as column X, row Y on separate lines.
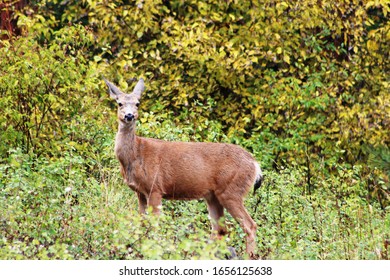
column 137, row 104
column 120, row 104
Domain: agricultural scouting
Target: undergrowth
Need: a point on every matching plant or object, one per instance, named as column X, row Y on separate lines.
column 76, row 207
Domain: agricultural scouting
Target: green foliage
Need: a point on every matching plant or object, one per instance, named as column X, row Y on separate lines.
column 57, row 210
column 44, row 90
column 302, row 86
column 333, row 223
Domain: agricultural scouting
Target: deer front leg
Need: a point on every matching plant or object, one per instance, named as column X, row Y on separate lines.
column 142, row 202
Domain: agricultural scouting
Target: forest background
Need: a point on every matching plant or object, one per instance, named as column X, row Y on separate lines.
column 303, row 85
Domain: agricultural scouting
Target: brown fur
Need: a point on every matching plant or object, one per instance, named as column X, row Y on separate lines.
column 222, row 174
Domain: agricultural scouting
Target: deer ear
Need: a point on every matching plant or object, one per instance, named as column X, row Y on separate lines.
column 139, row 88
column 114, row 91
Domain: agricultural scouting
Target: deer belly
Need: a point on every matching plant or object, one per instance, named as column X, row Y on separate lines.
column 188, row 190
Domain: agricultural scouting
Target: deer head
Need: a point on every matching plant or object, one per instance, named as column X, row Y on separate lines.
column 127, row 103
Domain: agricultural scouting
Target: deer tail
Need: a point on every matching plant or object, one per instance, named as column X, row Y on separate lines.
column 259, row 177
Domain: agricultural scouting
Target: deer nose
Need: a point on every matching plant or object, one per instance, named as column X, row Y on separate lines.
column 129, row 117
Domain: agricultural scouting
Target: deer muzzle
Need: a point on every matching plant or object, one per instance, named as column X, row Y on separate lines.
column 129, row 117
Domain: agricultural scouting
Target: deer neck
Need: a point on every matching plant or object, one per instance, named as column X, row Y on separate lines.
column 126, row 143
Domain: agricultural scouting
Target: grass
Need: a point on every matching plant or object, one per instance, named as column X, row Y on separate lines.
column 67, row 208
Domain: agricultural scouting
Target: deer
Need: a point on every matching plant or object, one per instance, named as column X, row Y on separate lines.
column 220, row 173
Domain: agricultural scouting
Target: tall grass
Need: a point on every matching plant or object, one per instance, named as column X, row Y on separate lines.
column 76, row 207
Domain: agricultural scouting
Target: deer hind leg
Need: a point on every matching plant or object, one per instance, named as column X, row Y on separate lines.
column 155, row 200
column 216, row 214
column 237, row 210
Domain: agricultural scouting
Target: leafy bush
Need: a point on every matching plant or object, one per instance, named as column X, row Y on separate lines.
column 56, row 210
column 44, row 90
column 303, row 87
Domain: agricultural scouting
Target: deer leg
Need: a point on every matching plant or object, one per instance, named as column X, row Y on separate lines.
column 239, row 213
column 216, row 213
column 142, row 202
column 154, row 200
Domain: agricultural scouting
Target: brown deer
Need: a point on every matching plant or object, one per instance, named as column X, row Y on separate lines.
column 220, row 173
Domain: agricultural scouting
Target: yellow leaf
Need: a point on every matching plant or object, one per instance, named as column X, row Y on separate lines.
column 284, row 4
column 286, row 58
column 303, row 54
column 372, row 45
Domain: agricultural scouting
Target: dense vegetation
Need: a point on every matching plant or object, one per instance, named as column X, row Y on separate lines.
column 303, row 85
